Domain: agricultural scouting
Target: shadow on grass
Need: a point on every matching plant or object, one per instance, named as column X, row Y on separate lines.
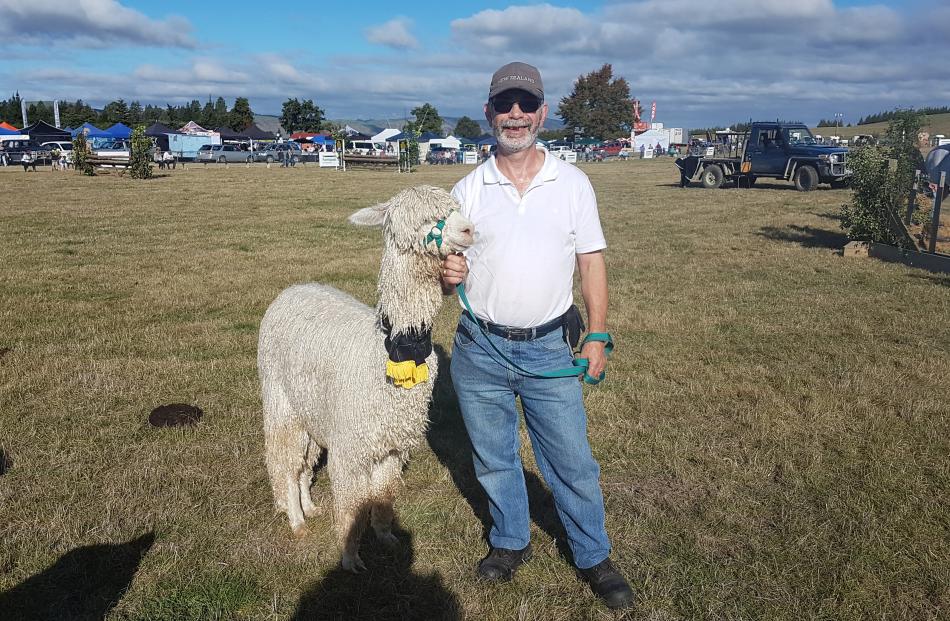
column 449, row 441
column 85, row 583
column 806, row 236
column 943, row 281
column 387, row 590
column 6, row 462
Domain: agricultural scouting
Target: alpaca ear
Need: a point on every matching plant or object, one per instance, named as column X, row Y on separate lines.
column 370, row 216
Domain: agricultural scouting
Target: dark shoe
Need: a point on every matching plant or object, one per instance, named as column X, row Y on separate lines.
column 609, row 584
column 501, row 564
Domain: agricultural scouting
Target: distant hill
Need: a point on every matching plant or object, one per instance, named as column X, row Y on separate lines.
column 933, row 124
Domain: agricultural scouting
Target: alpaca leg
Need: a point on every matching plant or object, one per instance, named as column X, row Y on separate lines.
column 350, row 487
column 306, row 478
column 384, row 480
column 285, row 446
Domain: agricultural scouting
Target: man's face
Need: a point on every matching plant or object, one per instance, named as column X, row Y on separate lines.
column 516, row 116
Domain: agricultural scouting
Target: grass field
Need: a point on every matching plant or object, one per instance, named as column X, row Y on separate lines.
column 773, row 434
column 933, row 124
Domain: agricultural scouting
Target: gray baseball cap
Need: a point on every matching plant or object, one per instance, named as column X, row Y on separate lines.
column 517, row 75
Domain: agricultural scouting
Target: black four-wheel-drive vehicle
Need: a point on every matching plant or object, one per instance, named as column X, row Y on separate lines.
column 775, row 150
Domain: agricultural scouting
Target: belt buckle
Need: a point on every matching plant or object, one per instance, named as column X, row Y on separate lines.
column 520, row 334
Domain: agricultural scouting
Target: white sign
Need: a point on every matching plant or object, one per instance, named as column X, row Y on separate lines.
column 470, row 157
column 568, row 156
column 329, row 159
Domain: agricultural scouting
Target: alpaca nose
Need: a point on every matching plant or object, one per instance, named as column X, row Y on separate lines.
column 467, row 230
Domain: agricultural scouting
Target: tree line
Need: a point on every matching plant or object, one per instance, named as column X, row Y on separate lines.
column 73, row 114
column 599, row 107
column 897, row 114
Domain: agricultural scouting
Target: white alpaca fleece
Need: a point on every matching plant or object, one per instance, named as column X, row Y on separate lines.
column 322, row 365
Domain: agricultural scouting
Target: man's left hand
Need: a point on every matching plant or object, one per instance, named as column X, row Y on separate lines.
column 596, row 358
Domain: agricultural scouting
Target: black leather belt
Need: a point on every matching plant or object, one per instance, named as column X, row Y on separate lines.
column 518, row 334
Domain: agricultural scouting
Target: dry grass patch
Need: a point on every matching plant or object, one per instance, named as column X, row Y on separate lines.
column 772, row 434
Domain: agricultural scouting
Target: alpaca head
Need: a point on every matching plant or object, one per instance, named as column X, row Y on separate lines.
column 422, row 219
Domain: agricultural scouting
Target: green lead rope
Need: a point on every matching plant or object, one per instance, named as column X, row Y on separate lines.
column 580, row 364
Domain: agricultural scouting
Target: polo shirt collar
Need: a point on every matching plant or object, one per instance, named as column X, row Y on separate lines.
column 491, row 174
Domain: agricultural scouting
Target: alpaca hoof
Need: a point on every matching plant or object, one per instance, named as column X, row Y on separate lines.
column 353, row 564
column 388, row 539
column 301, row 532
column 312, row 511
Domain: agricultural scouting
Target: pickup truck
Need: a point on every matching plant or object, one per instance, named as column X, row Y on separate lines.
column 773, row 150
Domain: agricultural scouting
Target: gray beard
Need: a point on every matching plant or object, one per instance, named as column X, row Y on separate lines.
column 510, row 145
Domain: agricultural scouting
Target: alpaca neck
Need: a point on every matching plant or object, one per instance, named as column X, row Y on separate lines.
column 409, row 290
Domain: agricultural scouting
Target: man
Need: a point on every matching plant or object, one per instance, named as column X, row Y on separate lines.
column 536, row 216
column 28, row 160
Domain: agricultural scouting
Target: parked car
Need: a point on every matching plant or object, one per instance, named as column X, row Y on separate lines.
column 275, row 152
column 610, row 149
column 115, row 148
column 223, row 153
column 14, row 151
column 62, row 144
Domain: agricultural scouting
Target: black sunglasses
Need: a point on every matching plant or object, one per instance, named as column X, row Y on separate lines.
column 503, row 103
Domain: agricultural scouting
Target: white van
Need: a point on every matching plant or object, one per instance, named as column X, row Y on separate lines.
column 364, row 147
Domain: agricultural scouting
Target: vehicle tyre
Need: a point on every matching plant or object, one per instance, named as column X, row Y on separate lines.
column 712, row 177
column 222, row 160
column 294, row 160
column 269, row 159
column 250, row 159
column 806, row 178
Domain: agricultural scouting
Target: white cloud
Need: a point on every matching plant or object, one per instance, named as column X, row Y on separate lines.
column 703, row 62
column 88, row 23
column 394, row 33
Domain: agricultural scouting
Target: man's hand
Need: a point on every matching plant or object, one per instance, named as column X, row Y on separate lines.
column 454, row 271
column 596, row 358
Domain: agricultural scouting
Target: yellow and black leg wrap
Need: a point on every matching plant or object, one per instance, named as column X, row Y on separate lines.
column 407, row 355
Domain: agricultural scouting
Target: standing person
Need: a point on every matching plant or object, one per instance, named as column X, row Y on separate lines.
column 28, row 160
column 536, row 216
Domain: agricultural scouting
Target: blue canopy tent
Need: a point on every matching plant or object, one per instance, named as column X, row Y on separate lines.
column 8, row 132
column 94, row 132
column 490, row 141
column 120, row 130
column 320, row 139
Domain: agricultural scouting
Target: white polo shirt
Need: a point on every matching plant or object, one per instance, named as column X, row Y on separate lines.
column 521, row 266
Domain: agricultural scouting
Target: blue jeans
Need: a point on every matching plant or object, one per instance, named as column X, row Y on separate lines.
column 557, row 425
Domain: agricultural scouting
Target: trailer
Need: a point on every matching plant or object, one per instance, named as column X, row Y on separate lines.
column 774, row 150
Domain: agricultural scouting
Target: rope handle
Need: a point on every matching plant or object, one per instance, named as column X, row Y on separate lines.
column 580, row 365
column 597, row 337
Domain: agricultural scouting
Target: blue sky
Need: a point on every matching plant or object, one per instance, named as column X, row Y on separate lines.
column 704, row 63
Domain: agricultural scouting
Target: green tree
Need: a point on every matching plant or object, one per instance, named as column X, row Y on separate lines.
column 207, row 118
column 220, row 112
column 114, row 112
column 10, row 110
column 241, row 115
column 880, row 188
column 599, row 106
column 76, row 113
column 140, row 155
column 81, row 154
column 134, row 115
column 426, row 119
column 902, row 137
column 301, row 116
column 39, row 111
column 467, row 128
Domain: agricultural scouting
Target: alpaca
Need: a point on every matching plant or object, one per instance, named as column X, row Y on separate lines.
column 338, row 376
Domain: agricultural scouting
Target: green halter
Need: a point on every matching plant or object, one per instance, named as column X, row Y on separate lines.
column 435, row 235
